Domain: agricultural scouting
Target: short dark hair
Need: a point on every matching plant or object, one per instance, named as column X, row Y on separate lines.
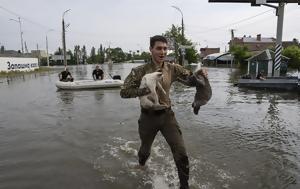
column 157, row 38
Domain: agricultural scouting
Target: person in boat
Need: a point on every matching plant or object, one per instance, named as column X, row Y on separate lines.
column 151, row 120
column 65, row 76
column 98, row 73
column 260, row 76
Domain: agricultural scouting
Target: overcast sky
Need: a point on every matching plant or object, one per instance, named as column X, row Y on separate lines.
column 129, row 23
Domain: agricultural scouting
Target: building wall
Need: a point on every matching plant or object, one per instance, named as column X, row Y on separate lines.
column 39, row 53
column 258, row 43
column 259, row 46
column 207, row 51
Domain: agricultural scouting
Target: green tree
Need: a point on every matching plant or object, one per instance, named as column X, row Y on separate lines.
column 100, row 55
column 117, row 54
column 72, row 59
column 129, row 56
column 146, row 56
column 240, row 53
column 191, row 55
column 84, row 54
column 77, row 54
column 2, row 49
column 174, row 35
column 293, row 52
column 92, row 58
column 58, row 51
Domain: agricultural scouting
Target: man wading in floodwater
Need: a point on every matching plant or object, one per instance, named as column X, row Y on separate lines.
column 151, row 121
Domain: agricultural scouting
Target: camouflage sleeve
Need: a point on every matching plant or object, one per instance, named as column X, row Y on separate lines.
column 183, row 75
column 130, row 89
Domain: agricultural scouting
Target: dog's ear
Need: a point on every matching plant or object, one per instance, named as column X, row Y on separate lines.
column 202, row 72
column 198, row 72
column 144, row 80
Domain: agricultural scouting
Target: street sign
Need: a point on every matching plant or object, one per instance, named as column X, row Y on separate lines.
column 171, row 43
column 182, row 51
column 253, row 1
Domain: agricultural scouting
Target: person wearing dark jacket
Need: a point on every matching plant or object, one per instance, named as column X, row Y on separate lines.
column 152, row 121
column 65, row 76
column 98, row 73
column 260, row 76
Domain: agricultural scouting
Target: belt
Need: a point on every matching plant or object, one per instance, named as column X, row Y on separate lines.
column 154, row 112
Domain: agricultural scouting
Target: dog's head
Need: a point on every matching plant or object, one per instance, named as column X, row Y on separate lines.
column 200, row 77
column 201, row 72
column 158, row 75
column 154, row 76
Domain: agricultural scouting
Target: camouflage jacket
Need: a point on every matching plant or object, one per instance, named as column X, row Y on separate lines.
column 171, row 73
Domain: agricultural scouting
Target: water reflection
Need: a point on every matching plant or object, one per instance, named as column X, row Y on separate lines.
column 276, row 135
column 263, row 93
column 66, row 97
column 81, row 72
column 242, row 139
column 98, row 95
column 259, row 97
column 109, row 68
column 11, row 79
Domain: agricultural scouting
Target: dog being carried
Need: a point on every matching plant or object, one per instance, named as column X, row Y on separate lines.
column 203, row 89
column 152, row 81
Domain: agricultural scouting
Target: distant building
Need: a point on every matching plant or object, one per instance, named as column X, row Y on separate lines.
column 259, row 43
column 218, row 58
column 39, row 53
column 33, row 54
column 263, row 62
column 14, row 53
column 286, row 44
column 207, row 51
column 60, row 57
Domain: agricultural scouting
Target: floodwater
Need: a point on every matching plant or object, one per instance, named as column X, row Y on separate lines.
column 242, row 139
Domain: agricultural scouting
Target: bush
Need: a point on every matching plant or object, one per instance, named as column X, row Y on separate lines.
column 292, row 52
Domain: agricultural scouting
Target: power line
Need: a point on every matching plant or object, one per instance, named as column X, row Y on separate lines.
column 25, row 19
column 9, row 11
column 245, row 19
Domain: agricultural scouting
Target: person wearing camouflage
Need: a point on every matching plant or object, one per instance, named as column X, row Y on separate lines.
column 151, row 121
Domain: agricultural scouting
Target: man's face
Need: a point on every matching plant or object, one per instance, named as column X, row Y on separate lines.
column 159, row 51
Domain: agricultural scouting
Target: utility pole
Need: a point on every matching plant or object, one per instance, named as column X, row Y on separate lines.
column 64, row 42
column 47, row 51
column 182, row 51
column 38, row 53
column 26, row 49
column 21, row 33
column 278, row 49
column 47, row 47
column 64, row 38
column 232, row 38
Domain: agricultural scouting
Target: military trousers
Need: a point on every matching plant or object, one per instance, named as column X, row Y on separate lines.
column 150, row 122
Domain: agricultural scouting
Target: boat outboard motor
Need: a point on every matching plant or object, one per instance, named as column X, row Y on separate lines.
column 117, row 77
